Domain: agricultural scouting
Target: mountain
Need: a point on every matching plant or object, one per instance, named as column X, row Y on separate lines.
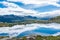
column 10, row 18
column 13, row 18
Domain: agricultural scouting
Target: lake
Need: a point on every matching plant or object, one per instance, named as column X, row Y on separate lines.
column 31, row 29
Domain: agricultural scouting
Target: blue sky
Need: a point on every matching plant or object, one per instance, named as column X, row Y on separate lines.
column 39, row 9
column 42, row 7
column 2, row 6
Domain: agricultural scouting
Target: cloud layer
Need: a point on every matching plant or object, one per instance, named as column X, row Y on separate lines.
column 39, row 2
column 12, row 8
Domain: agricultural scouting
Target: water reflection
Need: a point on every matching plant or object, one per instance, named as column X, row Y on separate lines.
column 28, row 29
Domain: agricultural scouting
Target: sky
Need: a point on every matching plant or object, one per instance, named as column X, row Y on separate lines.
column 38, row 8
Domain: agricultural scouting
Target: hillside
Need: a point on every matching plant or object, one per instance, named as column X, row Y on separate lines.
column 55, row 19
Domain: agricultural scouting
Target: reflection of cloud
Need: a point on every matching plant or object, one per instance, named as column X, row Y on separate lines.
column 17, row 29
column 56, row 34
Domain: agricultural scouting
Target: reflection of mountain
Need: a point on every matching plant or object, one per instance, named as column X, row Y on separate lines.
column 12, row 18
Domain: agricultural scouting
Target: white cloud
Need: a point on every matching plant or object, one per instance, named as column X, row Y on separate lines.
column 17, row 10
column 39, row 2
column 24, row 12
column 50, row 14
column 9, row 5
column 14, row 9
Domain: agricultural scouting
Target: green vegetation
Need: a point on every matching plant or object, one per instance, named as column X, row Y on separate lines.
column 48, row 37
column 56, row 19
column 6, row 24
column 38, row 37
column 1, row 37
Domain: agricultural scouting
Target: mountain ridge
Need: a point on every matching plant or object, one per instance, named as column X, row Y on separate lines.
column 12, row 18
